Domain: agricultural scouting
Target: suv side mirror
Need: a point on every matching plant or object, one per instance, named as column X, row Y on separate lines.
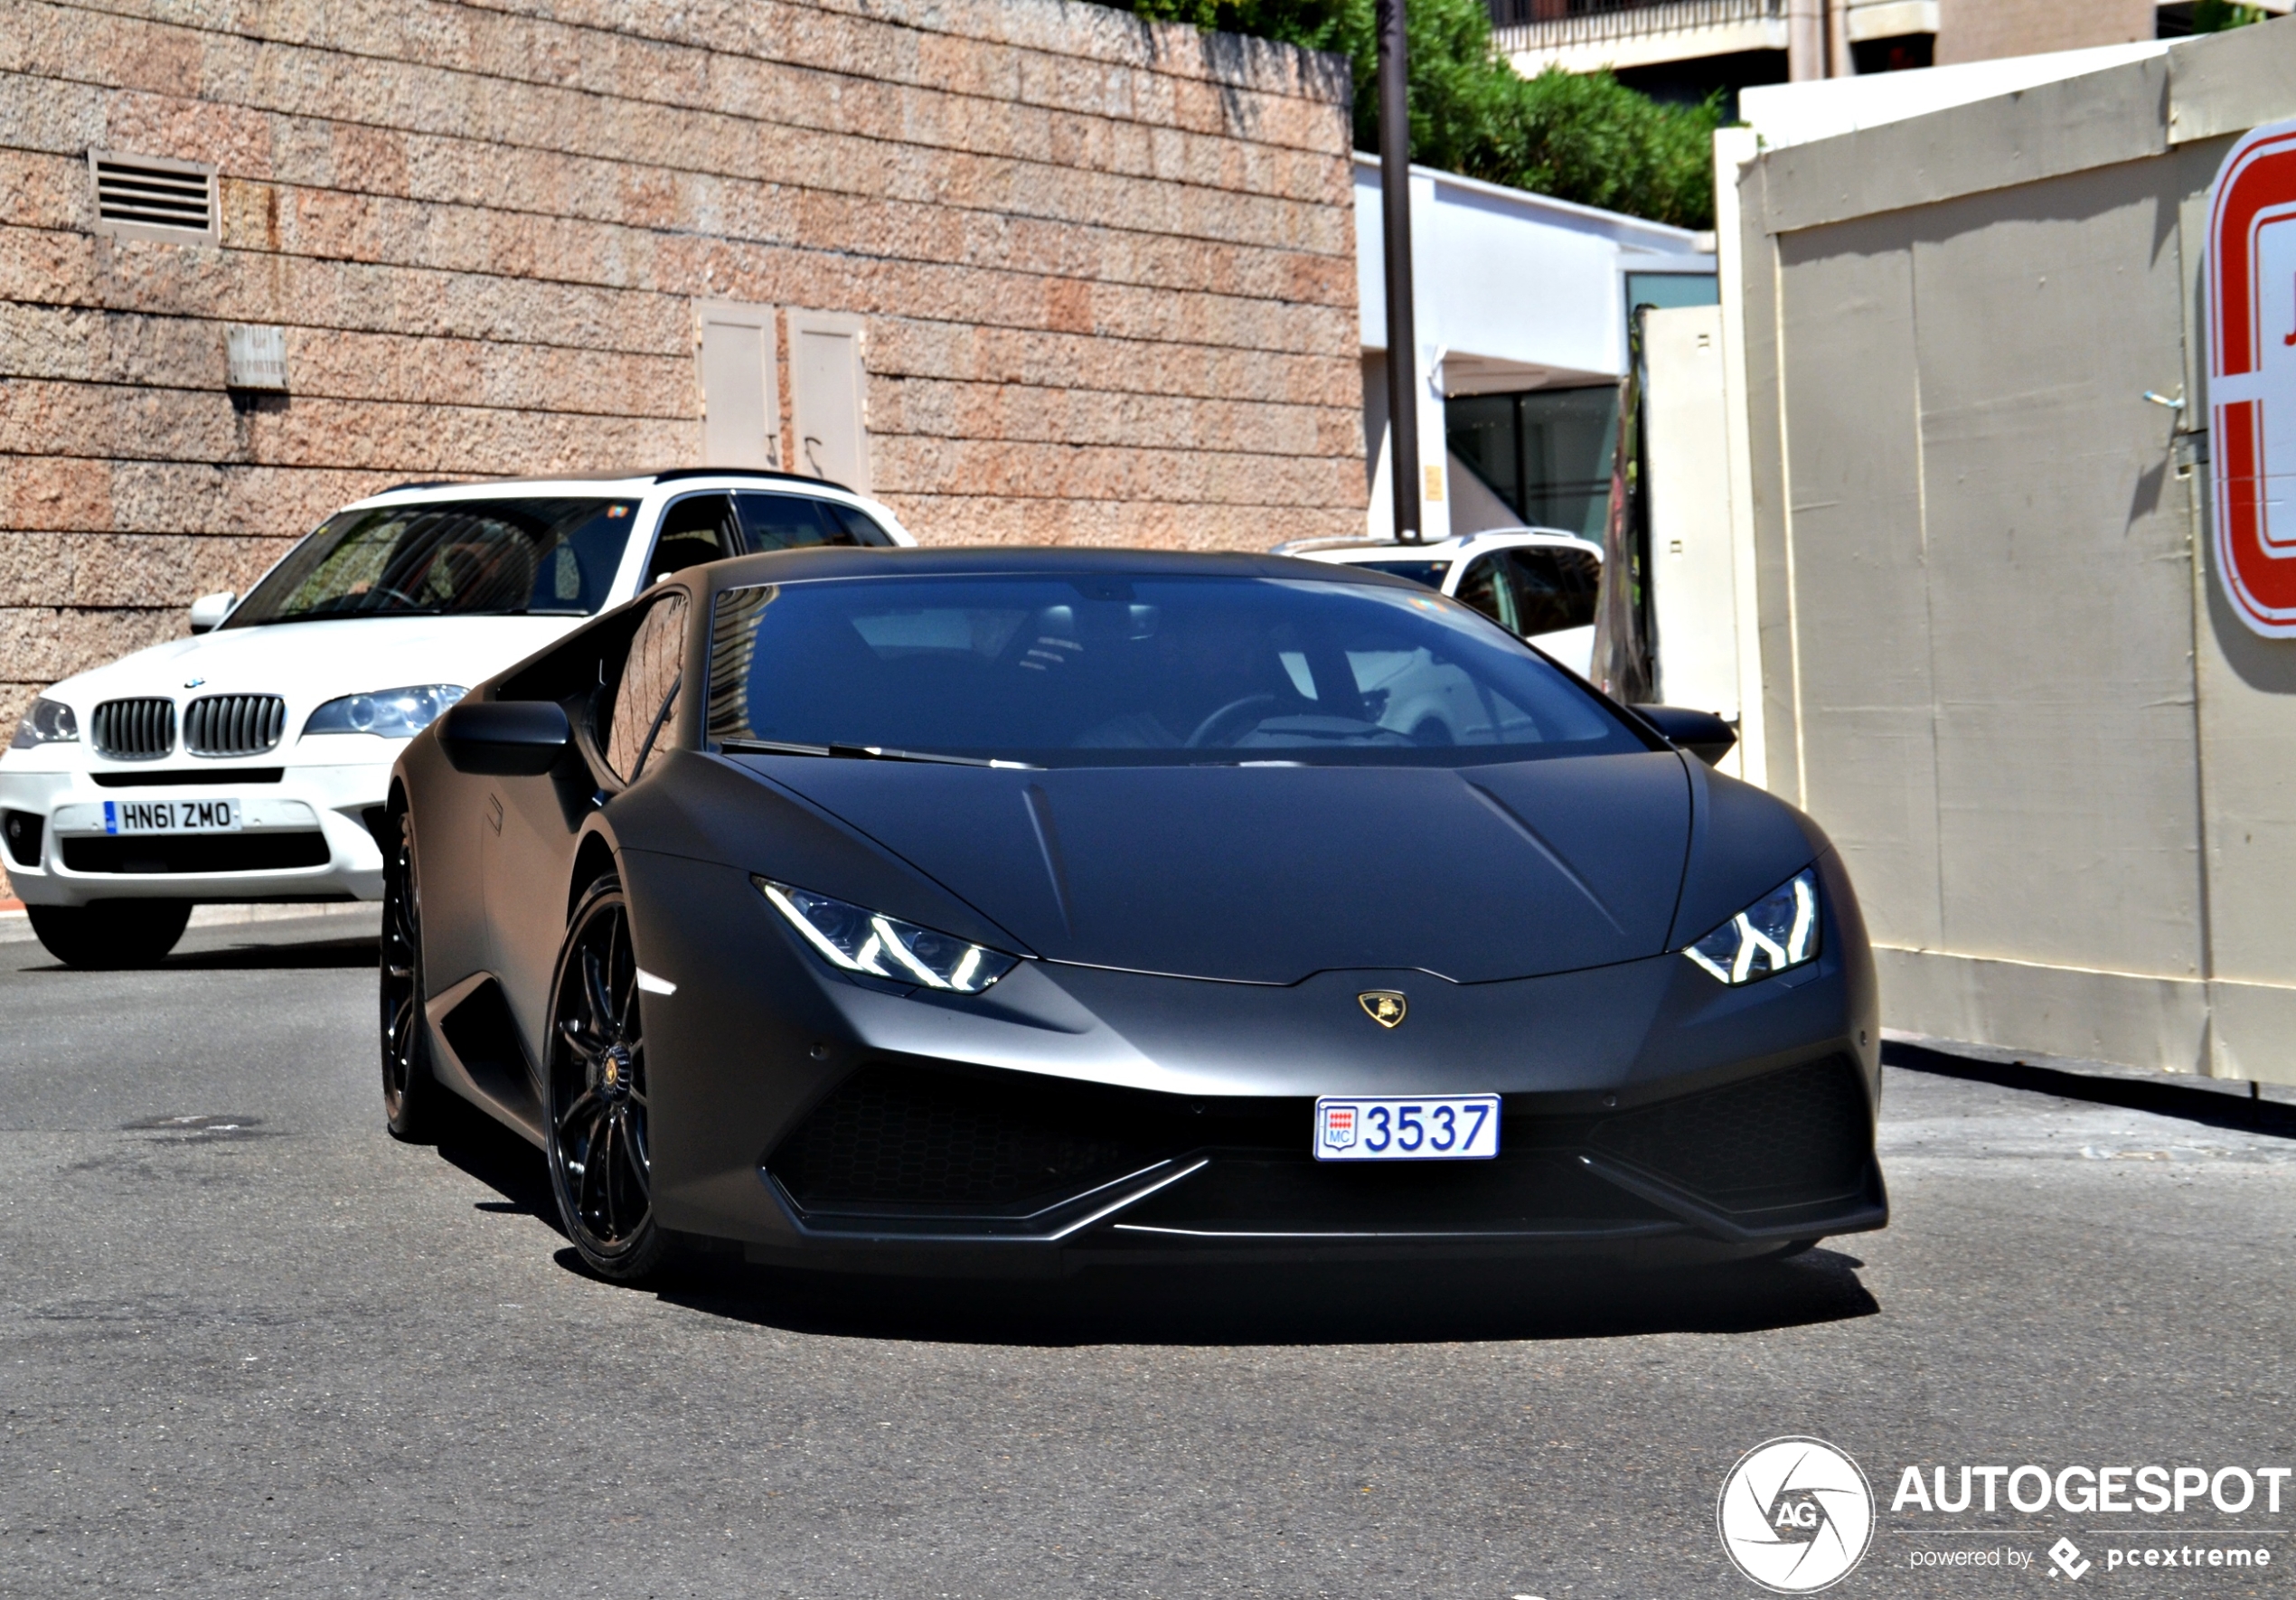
column 504, row 737
column 209, row 611
column 1702, row 733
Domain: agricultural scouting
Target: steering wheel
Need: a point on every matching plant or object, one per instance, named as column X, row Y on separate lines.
column 397, row 594
column 1232, row 711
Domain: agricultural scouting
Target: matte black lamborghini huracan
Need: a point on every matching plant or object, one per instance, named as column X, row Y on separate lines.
column 979, row 911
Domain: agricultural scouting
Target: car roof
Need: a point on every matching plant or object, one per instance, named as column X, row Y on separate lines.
column 627, row 485
column 792, row 566
column 1440, row 550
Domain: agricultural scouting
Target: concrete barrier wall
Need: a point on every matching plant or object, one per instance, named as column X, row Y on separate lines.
column 1993, row 664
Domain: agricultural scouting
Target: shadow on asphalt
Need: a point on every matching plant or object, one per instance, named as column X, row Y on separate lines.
column 2214, row 1107
column 1445, row 1301
column 1435, row 1302
column 287, row 956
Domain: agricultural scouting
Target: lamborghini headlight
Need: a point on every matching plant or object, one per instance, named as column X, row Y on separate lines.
column 388, row 714
column 1778, row 931
column 865, row 941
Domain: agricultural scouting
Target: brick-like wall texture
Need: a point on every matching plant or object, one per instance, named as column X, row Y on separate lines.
column 1106, row 269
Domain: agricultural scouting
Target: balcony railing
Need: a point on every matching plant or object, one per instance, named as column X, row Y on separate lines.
column 1519, row 25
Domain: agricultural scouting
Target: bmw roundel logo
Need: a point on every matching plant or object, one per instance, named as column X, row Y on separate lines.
column 1796, row 1515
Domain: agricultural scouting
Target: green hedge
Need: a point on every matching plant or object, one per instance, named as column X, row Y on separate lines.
column 1581, row 137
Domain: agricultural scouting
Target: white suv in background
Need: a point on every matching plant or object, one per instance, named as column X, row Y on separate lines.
column 1538, row 583
column 250, row 761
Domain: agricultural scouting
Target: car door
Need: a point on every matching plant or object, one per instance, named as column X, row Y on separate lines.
column 534, row 823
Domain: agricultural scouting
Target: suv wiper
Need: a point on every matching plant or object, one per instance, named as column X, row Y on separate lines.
column 774, row 747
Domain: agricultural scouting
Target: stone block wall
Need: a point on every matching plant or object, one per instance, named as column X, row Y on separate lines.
column 1106, row 270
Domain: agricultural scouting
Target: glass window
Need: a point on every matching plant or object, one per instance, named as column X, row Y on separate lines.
column 1547, row 452
column 1093, row 671
column 1489, row 589
column 697, row 529
column 645, row 697
column 497, row 558
column 1429, row 573
column 796, row 521
column 1555, row 588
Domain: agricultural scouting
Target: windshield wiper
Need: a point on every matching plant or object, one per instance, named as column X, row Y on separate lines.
column 774, row 747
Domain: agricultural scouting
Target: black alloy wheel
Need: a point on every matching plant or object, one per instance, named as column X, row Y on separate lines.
column 410, row 1094
column 600, row 1167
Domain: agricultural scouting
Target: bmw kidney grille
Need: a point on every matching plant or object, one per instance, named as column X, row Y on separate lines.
column 234, row 724
column 134, row 730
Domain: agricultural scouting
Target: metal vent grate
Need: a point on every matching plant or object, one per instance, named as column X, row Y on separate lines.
column 234, row 724
column 134, row 730
column 152, row 197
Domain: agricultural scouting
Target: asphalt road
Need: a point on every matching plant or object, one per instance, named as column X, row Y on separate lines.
column 250, row 1345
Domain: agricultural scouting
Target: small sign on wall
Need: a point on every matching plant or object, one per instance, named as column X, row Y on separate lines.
column 257, row 357
column 2251, row 293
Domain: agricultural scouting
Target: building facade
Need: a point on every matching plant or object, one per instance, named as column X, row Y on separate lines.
column 1065, row 276
column 1688, row 49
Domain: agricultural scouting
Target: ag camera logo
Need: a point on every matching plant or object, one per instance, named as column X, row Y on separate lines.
column 1796, row 1515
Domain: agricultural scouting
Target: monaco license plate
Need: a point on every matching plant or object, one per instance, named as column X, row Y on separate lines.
column 1422, row 1127
column 171, row 817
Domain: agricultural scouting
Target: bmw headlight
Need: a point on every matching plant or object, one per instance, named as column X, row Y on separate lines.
column 49, row 723
column 388, row 714
column 1778, row 931
column 865, row 941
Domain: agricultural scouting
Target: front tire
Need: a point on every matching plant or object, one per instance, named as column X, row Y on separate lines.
column 410, row 1095
column 599, row 1133
column 111, row 934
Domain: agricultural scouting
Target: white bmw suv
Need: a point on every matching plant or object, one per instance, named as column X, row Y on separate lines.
column 1539, row 584
column 250, row 761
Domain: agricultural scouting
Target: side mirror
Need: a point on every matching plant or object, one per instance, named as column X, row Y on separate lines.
column 1702, row 733
column 209, row 611
column 505, row 738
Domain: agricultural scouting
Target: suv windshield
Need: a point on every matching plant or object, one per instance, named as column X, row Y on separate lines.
column 1099, row 671
column 495, row 558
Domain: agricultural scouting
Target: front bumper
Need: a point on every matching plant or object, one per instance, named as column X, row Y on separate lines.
column 1072, row 1117
column 304, row 835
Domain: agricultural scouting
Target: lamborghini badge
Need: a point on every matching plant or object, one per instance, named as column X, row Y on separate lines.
column 1383, row 1006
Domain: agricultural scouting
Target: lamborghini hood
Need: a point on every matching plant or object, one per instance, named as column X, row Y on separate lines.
column 1271, row 874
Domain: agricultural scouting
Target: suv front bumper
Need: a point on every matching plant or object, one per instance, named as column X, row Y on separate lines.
column 304, row 834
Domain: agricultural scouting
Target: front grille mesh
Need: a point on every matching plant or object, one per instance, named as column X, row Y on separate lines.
column 908, row 1142
column 234, row 724
column 1803, row 1131
column 134, row 730
column 896, row 1136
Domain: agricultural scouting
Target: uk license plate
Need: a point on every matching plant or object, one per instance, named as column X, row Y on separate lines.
column 171, row 817
column 1420, row 1127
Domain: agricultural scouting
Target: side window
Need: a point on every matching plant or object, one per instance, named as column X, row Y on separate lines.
column 646, row 701
column 699, row 528
column 859, row 527
column 1486, row 589
column 796, row 522
column 1553, row 589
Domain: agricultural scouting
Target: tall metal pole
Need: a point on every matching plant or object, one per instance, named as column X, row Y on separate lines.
column 1395, row 210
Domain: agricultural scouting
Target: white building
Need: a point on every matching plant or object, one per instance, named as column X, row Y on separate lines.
column 1522, row 305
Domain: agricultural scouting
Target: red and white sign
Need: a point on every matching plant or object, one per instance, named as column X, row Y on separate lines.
column 2251, row 376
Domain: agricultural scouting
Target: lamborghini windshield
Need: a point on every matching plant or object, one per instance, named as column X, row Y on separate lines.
column 494, row 558
column 1062, row 671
